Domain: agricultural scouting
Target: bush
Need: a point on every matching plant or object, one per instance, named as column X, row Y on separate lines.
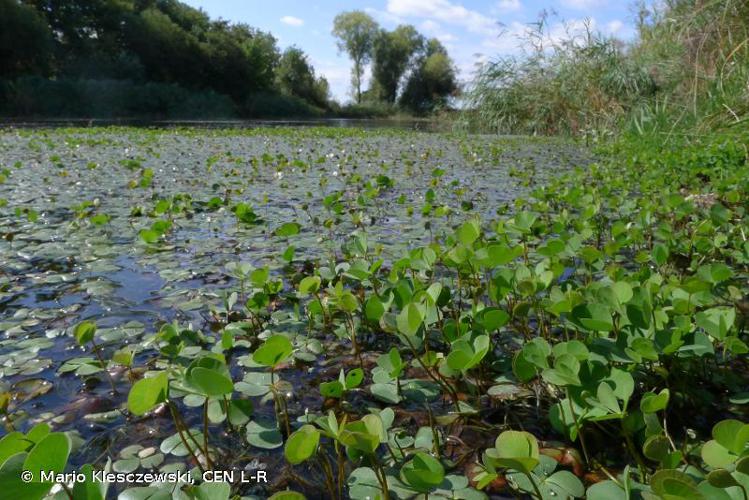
column 367, row 109
column 67, row 98
column 581, row 84
column 687, row 71
column 272, row 105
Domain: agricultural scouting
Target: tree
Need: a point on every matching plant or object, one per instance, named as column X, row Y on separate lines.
column 392, row 52
column 25, row 41
column 356, row 32
column 296, row 76
column 433, row 81
column 243, row 59
column 168, row 52
column 88, row 33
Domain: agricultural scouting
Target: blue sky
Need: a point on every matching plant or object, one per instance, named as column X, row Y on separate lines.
column 470, row 29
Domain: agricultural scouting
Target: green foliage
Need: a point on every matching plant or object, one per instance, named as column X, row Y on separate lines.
column 423, row 473
column 25, row 41
column 594, row 86
column 147, row 393
column 432, row 82
column 604, row 314
column 40, row 450
column 84, row 332
column 66, row 97
column 295, row 76
column 275, row 350
column 302, row 444
column 392, row 52
column 356, row 32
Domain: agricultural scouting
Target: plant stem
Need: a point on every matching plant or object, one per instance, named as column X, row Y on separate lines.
column 104, row 366
column 447, row 387
column 181, row 436
column 577, row 426
column 535, row 486
column 381, row 477
column 205, row 435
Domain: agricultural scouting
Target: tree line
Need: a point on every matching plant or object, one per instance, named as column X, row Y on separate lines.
column 425, row 88
column 128, row 56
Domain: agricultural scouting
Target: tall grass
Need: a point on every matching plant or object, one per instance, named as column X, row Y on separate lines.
column 687, row 71
column 698, row 54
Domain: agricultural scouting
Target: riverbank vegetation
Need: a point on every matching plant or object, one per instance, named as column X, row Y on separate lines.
column 164, row 59
column 686, row 71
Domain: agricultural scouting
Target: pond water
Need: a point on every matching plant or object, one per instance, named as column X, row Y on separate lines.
column 74, row 201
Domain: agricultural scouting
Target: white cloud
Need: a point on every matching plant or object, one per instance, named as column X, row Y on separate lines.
column 444, row 11
column 434, row 29
column 430, row 26
column 292, row 21
column 509, row 5
column 384, row 17
column 582, row 4
column 614, row 27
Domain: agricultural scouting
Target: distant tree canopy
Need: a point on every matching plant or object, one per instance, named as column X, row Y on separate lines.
column 432, row 81
column 393, row 50
column 296, row 76
column 356, row 32
column 154, row 40
column 25, row 41
column 168, row 43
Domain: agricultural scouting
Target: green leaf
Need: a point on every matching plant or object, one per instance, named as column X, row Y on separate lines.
column 309, row 285
column 660, row 254
column 465, row 356
column 623, row 291
column 354, row 378
column 606, row 490
column 13, row 443
column 716, row 456
column 732, row 434
column 721, row 478
column 84, row 332
column 332, row 389
column 210, row 382
column 363, row 435
column 671, row 483
column 716, row 321
column 287, row 495
column 89, row 489
column 565, row 484
column 468, row 232
column 263, row 434
column 657, row 448
column 565, row 371
column 593, row 316
column 287, row 229
column 493, row 319
column 302, row 444
column 240, row 411
column 273, row 351
column 374, row 309
column 147, row 393
column 149, row 236
column 651, row 402
column 423, row 473
column 516, row 450
column 50, row 454
column 409, row 320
